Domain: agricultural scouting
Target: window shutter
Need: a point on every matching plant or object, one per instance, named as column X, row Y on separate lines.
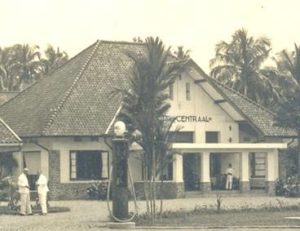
column 73, row 165
column 104, row 165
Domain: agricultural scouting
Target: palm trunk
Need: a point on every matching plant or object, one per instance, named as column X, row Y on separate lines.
column 298, row 147
column 146, row 187
column 154, row 185
column 161, row 196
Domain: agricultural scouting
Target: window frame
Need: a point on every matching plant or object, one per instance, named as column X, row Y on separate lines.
column 253, row 165
column 218, row 136
column 71, row 165
column 188, row 91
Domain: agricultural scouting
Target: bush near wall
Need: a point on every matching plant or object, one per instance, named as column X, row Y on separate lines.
column 98, row 191
column 289, row 188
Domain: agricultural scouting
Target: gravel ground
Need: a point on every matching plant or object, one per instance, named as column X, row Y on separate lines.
column 93, row 215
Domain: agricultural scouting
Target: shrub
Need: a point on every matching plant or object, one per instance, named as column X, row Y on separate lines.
column 288, row 188
column 279, row 187
column 291, row 187
column 98, row 191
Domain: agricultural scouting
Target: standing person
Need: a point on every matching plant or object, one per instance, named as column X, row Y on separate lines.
column 42, row 188
column 229, row 176
column 24, row 191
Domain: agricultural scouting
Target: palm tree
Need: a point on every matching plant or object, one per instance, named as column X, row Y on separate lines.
column 3, row 72
column 54, row 59
column 288, row 71
column 288, row 67
column 238, row 64
column 181, row 53
column 146, row 102
column 26, row 66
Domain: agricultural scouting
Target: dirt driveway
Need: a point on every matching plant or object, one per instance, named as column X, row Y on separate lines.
column 84, row 215
column 93, row 215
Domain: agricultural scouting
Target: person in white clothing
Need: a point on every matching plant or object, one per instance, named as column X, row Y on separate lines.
column 229, row 177
column 42, row 188
column 24, row 192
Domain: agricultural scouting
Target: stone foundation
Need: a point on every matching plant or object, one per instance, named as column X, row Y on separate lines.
column 205, row 187
column 270, row 188
column 167, row 190
column 244, row 186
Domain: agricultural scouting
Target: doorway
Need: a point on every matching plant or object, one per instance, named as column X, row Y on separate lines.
column 191, row 163
column 217, row 178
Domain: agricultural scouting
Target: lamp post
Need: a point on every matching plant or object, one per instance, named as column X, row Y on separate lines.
column 120, row 195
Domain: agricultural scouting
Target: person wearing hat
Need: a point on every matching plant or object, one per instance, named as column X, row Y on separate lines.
column 24, row 193
column 42, row 188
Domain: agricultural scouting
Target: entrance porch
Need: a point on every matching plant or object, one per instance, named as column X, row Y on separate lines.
column 202, row 167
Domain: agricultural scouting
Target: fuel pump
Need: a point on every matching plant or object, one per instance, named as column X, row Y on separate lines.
column 120, row 192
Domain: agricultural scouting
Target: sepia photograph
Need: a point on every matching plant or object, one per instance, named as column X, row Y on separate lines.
column 149, row 115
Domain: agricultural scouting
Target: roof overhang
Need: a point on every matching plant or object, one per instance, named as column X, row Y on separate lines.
column 12, row 147
column 214, row 94
column 203, row 80
column 227, row 147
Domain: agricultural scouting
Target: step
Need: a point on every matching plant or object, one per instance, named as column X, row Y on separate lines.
column 224, row 193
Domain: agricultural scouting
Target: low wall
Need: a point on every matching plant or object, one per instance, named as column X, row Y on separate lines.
column 165, row 190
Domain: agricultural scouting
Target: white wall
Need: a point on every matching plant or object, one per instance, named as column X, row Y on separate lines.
column 31, row 147
column 201, row 105
column 135, row 165
column 65, row 145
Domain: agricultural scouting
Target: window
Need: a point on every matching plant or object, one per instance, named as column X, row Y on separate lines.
column 258, row 164
column 188, row 91
column 212, row 137
column 181, row 137
column 88, row 165
column 171, row 91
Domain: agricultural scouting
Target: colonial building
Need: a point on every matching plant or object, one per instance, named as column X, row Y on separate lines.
column 65, row 121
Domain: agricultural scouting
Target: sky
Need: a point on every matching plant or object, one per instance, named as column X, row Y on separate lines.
column 197, row 25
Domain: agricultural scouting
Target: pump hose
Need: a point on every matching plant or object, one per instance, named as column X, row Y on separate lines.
column 134, row 197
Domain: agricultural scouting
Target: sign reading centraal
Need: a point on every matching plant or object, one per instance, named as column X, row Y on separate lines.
column 192, row 119
column 188, row 118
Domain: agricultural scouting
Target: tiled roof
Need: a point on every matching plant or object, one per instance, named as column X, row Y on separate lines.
column 76, row 99
column 259, row 116
column 5, row 96
column 7, row 136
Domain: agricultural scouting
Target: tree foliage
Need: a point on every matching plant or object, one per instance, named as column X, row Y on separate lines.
column 239, row 65
column 146, row 102
column 54, row 58
column 21, row 65
column 288, row 70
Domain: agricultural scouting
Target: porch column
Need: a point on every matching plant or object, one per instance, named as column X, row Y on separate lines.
column 244, row 172
column 205, row 172
column 178, row 168
column 18, row 156
column 271, row 171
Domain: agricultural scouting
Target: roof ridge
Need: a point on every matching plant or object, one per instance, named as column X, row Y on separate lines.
column 69, row 60
column 68, row 92
column 122, row 42
column 243, row 96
